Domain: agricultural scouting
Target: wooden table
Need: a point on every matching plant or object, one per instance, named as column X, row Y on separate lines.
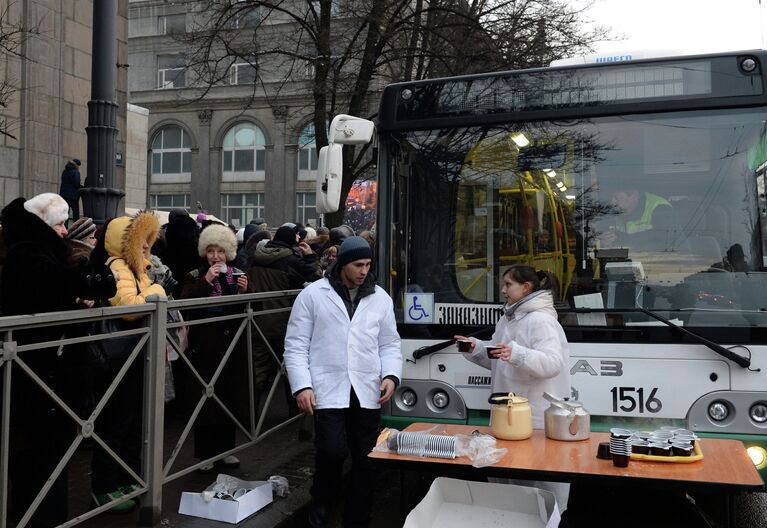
column 726, row 467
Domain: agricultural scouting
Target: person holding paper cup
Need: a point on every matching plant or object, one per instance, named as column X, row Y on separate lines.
column 528, row 353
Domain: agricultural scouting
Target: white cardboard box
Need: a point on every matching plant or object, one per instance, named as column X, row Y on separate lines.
column 231, row 511
column 452, row 503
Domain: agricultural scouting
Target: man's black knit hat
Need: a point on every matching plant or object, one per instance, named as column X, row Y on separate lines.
column 353, row 248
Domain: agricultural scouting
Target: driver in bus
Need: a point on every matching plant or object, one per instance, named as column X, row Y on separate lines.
column 637, row 212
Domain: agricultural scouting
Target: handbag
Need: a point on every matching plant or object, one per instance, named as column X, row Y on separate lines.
column 113, row 348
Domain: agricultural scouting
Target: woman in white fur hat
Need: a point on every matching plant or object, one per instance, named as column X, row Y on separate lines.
column 38, row 277
column 214, row 432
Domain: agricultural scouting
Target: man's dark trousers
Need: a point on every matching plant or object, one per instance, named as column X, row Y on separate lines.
column 338, row 433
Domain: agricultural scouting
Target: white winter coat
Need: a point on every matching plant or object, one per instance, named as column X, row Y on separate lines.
column 326, row 351
column 540, row 355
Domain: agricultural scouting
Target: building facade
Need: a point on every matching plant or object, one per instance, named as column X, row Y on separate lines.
column 46, row 113
column 245, row 148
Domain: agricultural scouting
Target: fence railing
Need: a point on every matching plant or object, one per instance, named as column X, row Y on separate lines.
column 26, row 343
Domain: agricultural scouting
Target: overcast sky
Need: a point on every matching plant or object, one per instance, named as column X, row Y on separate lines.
column 690, row 26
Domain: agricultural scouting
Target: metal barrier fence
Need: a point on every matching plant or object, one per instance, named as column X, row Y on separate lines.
column 253, row 312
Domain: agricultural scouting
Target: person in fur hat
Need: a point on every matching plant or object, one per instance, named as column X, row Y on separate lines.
column 214, row 432
column 125, row 248
column 38, row 277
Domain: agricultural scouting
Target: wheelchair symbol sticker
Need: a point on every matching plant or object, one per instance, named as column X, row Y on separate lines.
column 419, row 308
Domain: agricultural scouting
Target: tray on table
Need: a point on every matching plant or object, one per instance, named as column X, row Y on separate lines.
column 696, row 455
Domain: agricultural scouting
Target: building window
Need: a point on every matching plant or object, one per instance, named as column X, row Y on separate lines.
column 171, row 155
column 167, row 202
column 243, row 16
column 306, row 210
column 171, row 71
column 307, row 154
column 240, row 209
column 243, row 72
column 244, row 153
column 171, row 24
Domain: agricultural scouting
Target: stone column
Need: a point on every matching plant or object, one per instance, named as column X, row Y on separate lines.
column 277, row 189
column 205, row 185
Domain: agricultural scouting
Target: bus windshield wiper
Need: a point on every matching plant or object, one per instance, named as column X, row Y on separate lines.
column 719, row 349
column 430, row 349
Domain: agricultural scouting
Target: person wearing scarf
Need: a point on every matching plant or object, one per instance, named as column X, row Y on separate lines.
column 214, row 431
column 534, row 357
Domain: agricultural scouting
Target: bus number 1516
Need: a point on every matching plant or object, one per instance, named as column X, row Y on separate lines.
column 627, row 399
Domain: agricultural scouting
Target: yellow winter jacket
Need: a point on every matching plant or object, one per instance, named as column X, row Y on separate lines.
column 123, row 242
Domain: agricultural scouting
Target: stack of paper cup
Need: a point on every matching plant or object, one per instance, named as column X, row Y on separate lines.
column 620, row 446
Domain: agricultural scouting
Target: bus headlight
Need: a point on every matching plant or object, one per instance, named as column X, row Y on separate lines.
column 440, row 399
column 409, row 398
column 758, row 456
column 758, row 412
column 718, row 411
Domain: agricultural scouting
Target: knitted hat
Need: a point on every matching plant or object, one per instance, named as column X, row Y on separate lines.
column 310, row 233
column 218, row 235
column 76, row 161
column 50, row 207
column 353, row 248
column 81, row 229
column 286, row 235
column 291, row 225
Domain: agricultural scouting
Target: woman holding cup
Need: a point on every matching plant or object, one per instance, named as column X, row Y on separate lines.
column 528, row 353
column 214, row 431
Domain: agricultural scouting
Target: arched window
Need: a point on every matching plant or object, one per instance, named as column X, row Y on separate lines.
column 171, row 155
column 307, row 154
column 244, row 154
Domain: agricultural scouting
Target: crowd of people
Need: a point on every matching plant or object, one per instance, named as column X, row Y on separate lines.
column 52, row 262
column 341, row 378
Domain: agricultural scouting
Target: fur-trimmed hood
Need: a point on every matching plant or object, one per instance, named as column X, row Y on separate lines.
column 125, row 237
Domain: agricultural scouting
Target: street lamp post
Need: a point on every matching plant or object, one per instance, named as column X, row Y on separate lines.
column 100, row 197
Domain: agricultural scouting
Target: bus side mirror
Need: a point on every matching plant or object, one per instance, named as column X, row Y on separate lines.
column 351, row 131
column 330, row 168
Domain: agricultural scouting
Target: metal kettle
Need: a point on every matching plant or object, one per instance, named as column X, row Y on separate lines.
column 566, row 420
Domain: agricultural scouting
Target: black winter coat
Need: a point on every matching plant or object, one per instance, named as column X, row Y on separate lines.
column 37, row 276
column 70, row 182
column 278, row 255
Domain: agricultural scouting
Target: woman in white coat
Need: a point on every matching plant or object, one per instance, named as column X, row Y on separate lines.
column 534, row 356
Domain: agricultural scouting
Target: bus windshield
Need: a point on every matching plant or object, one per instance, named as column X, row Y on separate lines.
column 660, row 211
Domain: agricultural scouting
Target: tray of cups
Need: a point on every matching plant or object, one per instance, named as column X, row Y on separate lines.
column 667, row 444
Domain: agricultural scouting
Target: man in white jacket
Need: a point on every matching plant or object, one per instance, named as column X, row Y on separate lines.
column 342, row 354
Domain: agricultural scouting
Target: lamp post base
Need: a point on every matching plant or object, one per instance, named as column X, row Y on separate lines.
column 101, row 203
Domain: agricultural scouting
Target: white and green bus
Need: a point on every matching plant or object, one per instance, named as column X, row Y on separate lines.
column 640, row 184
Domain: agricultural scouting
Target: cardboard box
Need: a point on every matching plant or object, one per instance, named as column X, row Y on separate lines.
column 231, row 511
column 453, row 503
